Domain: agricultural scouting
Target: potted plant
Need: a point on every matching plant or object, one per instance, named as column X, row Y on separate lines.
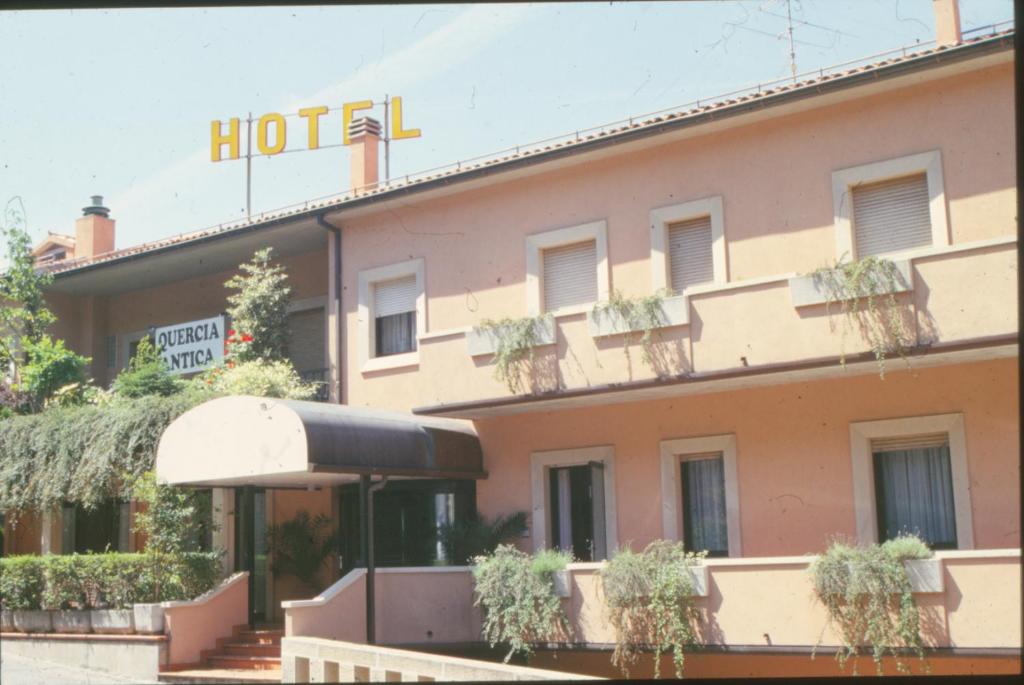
column 300, row 547
column 474, row 535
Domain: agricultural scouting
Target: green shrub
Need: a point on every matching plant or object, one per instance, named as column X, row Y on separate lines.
column 259, row 378
column 650, row 603
column 50, row 367
column 867, row 594
column 259, row 310
column 301, row 546
column 474, row 535
column 22, row 582
column 174, row 518
column 65, row 582
column 519, row 605
column 147, row 374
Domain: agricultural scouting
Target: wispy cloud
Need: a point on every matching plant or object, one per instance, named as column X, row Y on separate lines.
column 150, row 202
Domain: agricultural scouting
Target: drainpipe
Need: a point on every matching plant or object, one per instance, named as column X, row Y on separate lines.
column 336, row 230
column 366, row 490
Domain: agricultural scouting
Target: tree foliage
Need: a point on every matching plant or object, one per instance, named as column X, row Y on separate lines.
column 173, row 519
column 474, row 535
column 50, row 368
column 146, row 374
column 259, row 309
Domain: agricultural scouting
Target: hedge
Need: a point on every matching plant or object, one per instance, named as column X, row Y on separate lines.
column 85, row 454
column 104, row 581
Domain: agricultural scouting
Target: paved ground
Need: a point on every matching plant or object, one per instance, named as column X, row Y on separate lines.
column 18, row 670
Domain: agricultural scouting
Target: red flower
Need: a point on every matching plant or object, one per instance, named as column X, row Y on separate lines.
column 231, row 332
column 246, row 338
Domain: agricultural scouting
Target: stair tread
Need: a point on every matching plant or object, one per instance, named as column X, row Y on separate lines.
column 225, row 675
column 247, row 657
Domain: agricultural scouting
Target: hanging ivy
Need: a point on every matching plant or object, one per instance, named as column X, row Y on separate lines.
column 867, row 594
column 865, row 291
column 514, row 340
column 635, row 316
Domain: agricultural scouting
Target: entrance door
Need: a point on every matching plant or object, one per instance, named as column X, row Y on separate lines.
column 251, row 547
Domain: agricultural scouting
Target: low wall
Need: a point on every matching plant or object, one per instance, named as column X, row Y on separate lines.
column 310, row 659
column 135, row 657
column 195, row 625
column 968, row 600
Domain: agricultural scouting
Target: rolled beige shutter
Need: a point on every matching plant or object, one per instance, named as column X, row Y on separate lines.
column 570, row 275
column 394, row 297
column 689, row 250
column 911, row 442
column 891, row 216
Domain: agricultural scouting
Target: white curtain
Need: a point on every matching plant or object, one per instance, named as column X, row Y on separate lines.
column 917, row 494
column 705, row 505
column 396, row 333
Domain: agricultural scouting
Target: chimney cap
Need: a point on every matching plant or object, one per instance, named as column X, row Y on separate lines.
column 96, row 207
column 364, row 126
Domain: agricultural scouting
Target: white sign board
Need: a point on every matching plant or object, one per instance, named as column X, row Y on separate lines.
column 191, row 346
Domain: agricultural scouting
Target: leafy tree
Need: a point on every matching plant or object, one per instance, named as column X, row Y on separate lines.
column 147, row 374
column 259, row 310
column 173, row 519
column 24, row 315
column 50, row 369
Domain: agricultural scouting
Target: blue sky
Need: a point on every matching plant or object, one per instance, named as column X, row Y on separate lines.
column 119, row 102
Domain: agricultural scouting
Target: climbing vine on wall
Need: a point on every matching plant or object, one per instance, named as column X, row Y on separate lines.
column 635, row 316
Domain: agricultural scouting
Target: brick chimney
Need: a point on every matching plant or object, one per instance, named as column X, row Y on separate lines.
column 94, row 231
column 947, row 22
column 364, row 141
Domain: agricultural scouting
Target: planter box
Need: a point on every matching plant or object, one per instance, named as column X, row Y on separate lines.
column 699, row 576
column 71, row 621
column 563, row 583
column 114, row 621
column 480, row 343
column 32, row 621
column 149, row 618
column 675, row 311
column 808, row 290
column 6, row 621
column 925, row 575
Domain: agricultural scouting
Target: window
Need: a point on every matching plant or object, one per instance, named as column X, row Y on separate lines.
column 702, row 481
column 111, row 351
column 700, row 494
column 99, row 529
column 574, row 501
column 689, row 253
column 688, row 245
column 910, row 475
column 395, row 316
column 392, row 315
column 890, row 207
column 914, row 489
column 567, row 269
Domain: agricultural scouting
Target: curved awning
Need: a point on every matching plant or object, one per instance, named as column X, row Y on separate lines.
column 232, row 441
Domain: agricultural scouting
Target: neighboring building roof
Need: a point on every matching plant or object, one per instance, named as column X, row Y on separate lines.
column 895, row 62
column 53, row 240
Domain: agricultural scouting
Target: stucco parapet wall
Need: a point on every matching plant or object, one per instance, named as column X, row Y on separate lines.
column 329, row 594
column 210, row 594
column 480, row 342
column 675, row 311
column 401, row 664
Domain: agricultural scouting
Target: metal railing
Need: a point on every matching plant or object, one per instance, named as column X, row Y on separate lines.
column 319, row 378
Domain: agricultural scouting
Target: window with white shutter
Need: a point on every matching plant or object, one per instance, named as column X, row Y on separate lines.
column 891, row 216
column 394, row 310
column 689, row 253
column 570, row 275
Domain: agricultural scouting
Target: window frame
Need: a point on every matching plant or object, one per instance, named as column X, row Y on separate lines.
column 844, row 180
column 673, row 453
column 662, row 217
column 367, row 319
column 864, row 496
column 536, row 243
column 542, row 462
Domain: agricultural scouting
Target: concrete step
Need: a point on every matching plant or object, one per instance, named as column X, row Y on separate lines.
column 250, row 649
column 266, row 637
column 220, row 675
column 233, row 661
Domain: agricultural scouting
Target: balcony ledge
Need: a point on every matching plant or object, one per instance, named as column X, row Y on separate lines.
column 484, row 342
column 675, row 312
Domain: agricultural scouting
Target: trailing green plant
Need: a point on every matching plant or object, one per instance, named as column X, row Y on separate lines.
column 650, row 603
column 865, row 291
column 301, row 546
column 173, row 519
column 474, row 535
column 514, row 340
column 50, row 367
column 260, row 378
column 520, row 606
column 83, row 454
column 24, row 315
column 868, row 596
column 146, row 374
column 259, row 309
column 111, row 580
column 633, row 315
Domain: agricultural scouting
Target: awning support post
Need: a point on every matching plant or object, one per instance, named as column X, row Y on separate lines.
column 366, row 490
